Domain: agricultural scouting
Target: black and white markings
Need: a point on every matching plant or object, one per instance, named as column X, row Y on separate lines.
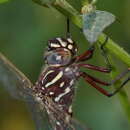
column 49, row 72
column 58, row 123
column 66, row 43
column 70, row 40
column 67, row 90
column 51, row 93
column 63, row 43
column 62, row 84
column 58, row 76
column 71, row 82
column 67, row 69
column 54, row 45
column 70, row 47
column 55, row 86
column 70, row 109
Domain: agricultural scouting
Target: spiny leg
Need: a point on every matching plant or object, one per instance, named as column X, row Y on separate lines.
column 92, row 81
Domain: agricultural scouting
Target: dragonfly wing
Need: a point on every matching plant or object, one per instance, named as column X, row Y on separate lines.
column 39, row 116
column 95, row 22
column 77, row 125
column 59, row 119
column 14, row 81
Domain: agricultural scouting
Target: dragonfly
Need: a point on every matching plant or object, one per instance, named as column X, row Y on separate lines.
column 51, row 98
column 21, row 88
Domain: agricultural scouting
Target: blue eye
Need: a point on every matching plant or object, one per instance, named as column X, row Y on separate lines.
column 53, row 58
column 58, row 58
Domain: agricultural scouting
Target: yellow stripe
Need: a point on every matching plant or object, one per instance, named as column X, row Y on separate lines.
column 67, row 90
column 46, row 75
column 55, row 79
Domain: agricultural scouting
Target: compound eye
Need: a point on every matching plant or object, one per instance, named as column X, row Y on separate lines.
column 58, row 58
column 53, row 58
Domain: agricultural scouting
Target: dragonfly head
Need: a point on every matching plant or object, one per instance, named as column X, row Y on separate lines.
column 60, row 51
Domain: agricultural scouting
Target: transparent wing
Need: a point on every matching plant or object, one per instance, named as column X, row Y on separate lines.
column 14, row 81
column 56, row 114
column 42, row 120
column 77, row 125
column 95, row 22
column 39, row 116
column 19, row 86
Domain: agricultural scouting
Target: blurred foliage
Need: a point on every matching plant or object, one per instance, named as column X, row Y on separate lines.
column 2, row 1
column 24, row 29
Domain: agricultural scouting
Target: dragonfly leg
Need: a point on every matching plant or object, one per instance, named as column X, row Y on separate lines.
column 86, row 55
column 92, row 81
column 96, row 80
column 93, row 67
column 104, row 53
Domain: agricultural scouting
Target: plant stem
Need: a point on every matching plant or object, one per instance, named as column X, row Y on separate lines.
column 85, row 2
column 122, row 95
column 124, row 57
column 115, row 49
column 66, row 9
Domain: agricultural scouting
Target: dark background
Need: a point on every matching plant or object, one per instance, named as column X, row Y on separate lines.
column 24, row 30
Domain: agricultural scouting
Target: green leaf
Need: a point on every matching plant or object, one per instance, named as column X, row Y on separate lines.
column 95, row 22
